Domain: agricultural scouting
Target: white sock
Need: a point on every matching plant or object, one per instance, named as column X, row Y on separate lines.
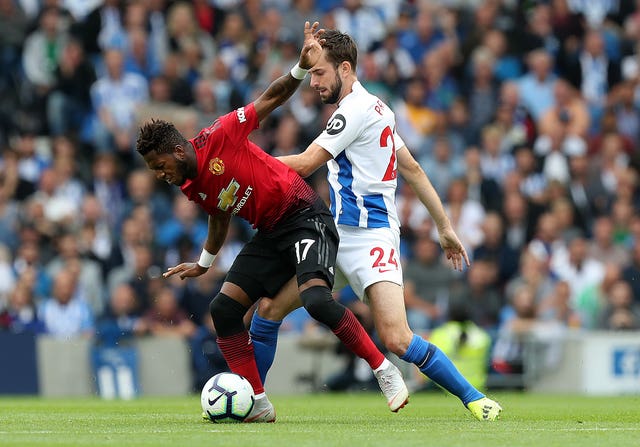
column 261, row 395
column 384, row 365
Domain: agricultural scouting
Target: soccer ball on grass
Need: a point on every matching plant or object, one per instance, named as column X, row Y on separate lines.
column 227, row 397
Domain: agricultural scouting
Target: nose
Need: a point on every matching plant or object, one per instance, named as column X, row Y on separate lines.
column 159, row 175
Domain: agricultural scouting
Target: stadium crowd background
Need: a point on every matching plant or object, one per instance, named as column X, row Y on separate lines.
column 524, row 114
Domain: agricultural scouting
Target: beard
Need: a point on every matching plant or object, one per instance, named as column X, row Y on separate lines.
column 335, row 92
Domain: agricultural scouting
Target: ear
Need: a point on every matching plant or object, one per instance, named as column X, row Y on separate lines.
column 345, row 69
column 178, row 152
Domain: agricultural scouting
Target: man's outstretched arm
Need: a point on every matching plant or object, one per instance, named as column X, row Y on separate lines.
column 282, row 88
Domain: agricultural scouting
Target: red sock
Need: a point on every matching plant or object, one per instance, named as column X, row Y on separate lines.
column 352, row 334
column 238, row 352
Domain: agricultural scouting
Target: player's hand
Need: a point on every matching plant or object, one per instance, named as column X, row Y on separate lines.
column 311, row 49
column 186, row 270
column 453, row 248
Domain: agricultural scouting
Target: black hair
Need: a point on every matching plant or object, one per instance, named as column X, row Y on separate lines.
column 340, row 47
column 160, row 136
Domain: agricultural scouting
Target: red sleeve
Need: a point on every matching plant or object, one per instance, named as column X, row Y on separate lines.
column 240, row 123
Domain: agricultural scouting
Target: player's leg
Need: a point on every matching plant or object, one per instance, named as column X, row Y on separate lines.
column 256, row 271
column 266, row 321
column 387, row 305
column 313, row 247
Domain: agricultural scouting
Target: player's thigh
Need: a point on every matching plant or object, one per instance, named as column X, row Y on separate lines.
column 367, row 256
column 311, row 248
column 282, row 304
column 259, row 269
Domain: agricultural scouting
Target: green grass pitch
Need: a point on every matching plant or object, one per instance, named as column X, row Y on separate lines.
column 350, row 420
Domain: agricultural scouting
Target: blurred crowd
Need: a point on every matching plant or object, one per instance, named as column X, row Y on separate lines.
column 524, row 114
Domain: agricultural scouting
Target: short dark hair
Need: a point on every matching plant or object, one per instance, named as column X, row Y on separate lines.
column 160, row 136
column 340, row 47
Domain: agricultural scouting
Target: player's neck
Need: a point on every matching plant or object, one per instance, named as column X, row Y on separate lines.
column 192, row 162
column 347, row 87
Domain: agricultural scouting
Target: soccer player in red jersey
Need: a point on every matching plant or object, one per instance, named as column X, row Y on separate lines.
column 226, row 174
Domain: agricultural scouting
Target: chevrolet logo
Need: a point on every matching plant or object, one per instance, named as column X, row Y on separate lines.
column 227, row 197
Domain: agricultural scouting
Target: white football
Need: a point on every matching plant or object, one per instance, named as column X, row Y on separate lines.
column 227, row 397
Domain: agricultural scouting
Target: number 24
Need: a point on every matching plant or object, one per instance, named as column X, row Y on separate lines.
column 379, row 264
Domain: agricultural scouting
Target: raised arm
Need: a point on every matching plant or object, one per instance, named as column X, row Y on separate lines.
column 413, row 173
column 282, row 88
column 216, row 235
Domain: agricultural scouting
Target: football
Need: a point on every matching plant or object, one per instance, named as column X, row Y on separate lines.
column 227, row 397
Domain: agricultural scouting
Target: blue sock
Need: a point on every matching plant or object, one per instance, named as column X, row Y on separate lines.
column 264, row 335
column 434, row 364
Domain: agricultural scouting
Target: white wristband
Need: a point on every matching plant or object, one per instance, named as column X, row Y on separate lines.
column 298, row 73
column 206, row 259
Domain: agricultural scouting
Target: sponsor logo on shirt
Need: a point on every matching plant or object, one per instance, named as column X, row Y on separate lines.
column 245, row 197
column 227, row 197
column 216, row 166
column 336, row 124
column 241, row 116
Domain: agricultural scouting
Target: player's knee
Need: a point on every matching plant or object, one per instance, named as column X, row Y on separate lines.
column 227, row 315
column 394, row 341
column 271, row 309
column 321, row 306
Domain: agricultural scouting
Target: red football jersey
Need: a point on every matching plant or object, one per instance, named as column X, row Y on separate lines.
column 237, row 177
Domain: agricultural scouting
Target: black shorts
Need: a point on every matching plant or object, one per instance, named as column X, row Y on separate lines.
column 304, row 244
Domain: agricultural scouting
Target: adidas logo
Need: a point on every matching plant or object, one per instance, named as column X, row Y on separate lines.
column 485, row 412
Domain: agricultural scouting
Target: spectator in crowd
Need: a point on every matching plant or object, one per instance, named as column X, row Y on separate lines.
column 620, row 311
column 42, row 49
column 165, row 318
column 591, row 71
column 21, row 315
column 465, row 343
column 185, row 221
column 90, row 287
column 559, row 307
column 631, row 273
column 602, row 246
column 514, row 122
column 427, row 285
column 482, row 93
column 139, row 275
column 414, row 119
column 592, row 300
column 13, row 29
column 569, row 113
column 481, row 293
column 121, row 321
column 494, row 248
column 495, row 164
column 64, row 313
column 466, row 214
column 108, row 187
column 69, row 102
column 442, row 166
column 115, row 97
column 536, row 86
column 483, row 190
column 574, row 266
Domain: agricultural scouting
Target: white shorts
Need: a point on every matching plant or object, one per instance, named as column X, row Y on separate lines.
column 367, row 256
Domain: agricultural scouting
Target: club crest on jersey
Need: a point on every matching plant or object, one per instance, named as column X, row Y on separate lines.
column 336, row 124
column 216, row 166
